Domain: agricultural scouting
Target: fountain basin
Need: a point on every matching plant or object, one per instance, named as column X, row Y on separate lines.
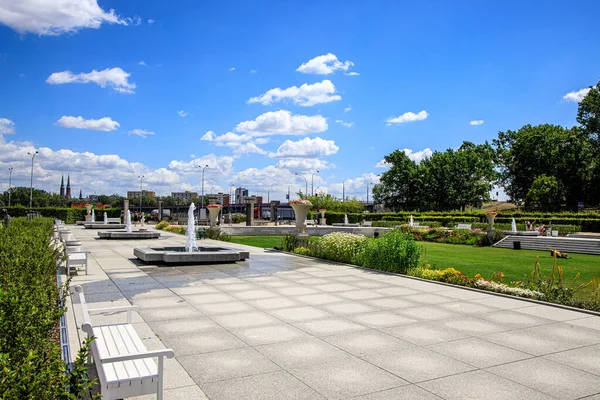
column 120, row 235
column 179, row 255
column 521, row 233
column 343, row 224
column 100, row 225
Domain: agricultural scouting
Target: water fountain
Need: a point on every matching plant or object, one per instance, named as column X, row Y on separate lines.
column 93, row 216
column 190, row 253
column 128, row 222
column 513, row 226
column 105, row 217
column 411, row 222
column 101, row 225
column 128, row 233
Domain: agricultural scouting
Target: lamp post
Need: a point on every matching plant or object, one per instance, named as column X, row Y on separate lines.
column 202, row 200
column 31, row 183
column 312, row 183
column 305, row 181
column 10, row 170
column 344, row 190
column 230, row 197
column 141, row 177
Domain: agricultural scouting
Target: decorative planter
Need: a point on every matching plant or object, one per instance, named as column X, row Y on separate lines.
column 213, row 214
column 491, row 217
column 88, row 217
column 301, row 212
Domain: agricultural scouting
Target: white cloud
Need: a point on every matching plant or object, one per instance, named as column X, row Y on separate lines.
column 344, row 123
column 282, row 122
column 305, row 95
column 230, row 139
column 141, row 132
column 150, row 21
column 232, row 69
column 304, row 164
column 142, row 63
column 55, row 17
column 105, row 124
column 418, row 156
column 248, row 148
column 476, row 122
column 356, row 186
column 576, row 96
column 262, row 140
column 181, row 113
column 209, row 136
column 353, row 74
column 7, row 127
column 348, row 109
column 306, row 147
column 324, row 65
column 382, row 164
column 115, row 78
column 407, row 117
column 218, row 166
column 253, row 71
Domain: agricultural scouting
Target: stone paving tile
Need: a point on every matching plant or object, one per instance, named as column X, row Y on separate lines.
column 478, row 352
column 427, row 313
column 514, row 320
column 584, row 359
column 181, row 393
column 202, row 299
column 319, row 299
column 244, row 320
column 470, row 325
column 548, row 377
column 481, row 385
column 301, row 352
column 330, row 326
column 254, row 294
column 409, row 392
column 200, row 288
column 228, row 307
column 424, row 334
column 429, row 298
column 166, row 313
column 278, row 385
column 202, row 342
column 347, row 307
column 269, row 334
column 367, row 342
column 381, row 319
column 346, row 378
column 182, row 326
column 273, row 303
column 362, row 294
column 417, row 364
column 391, row 303
column 335, row 287
column 554, row 313
column 469, row 307
column 397, row 291
column 591, row 322
column 228, row 364
column 296, row 314
column 157, row 302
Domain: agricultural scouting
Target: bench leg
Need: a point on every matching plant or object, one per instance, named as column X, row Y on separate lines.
column 159, row 391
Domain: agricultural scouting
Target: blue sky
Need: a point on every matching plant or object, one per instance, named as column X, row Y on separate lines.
column 384, row 75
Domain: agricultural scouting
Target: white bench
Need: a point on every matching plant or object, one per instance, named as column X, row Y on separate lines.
column 309, row 222
column 76, row 257
column 125, row 367
column 113, row 220
column 463, row 226
column 367, row 223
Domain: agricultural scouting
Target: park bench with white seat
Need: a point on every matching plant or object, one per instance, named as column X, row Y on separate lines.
column 116, row 220
column 125, row 367
column 309, row 222
column 367, row 223
column 463, row 226
column 76, row 257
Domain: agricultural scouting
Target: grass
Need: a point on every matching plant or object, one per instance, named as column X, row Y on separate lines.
column 265, row 242
column 513, row 263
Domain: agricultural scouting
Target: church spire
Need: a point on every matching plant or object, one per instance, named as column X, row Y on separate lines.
column 62, row 186
column 68, row 194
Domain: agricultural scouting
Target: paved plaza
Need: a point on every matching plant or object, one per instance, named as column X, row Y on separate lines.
column 278, row 326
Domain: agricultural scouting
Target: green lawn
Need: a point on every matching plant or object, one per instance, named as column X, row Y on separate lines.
column 266, row 242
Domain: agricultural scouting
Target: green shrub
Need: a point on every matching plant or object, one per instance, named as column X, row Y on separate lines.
column 67, row 215
column 339, row 246
column 30, row 356
column 290, row 242
column 303, row 251
column 162, row 225
column 394, row 251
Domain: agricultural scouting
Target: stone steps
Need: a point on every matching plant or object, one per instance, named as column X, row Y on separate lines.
column 563, row 244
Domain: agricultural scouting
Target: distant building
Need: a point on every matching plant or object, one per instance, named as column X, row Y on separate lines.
column 222, row 198
column 240, row 195
column 131, row 194
column 259, row 199
column 184, row 195
column 66, row 194
column 92, row 198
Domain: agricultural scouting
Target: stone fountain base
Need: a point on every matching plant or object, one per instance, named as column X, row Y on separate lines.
column 121, row 235
column 178, row 255
column 101, row 225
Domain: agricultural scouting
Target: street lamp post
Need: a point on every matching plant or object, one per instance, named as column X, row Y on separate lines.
column 312, row 183
column 306, row 183
column 368, row 183
column 31, row 183
column 141, row 191
column 202, row 200
column 344, row 190
column 10, row 170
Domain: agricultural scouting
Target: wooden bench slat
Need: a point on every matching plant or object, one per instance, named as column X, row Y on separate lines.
column 121, row 372
column 132, row 371
column 102, row 348
column 139, row 346
column 143, row 372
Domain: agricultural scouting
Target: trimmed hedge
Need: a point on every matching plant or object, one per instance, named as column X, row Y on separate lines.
column 31, row 366
column 67, row 215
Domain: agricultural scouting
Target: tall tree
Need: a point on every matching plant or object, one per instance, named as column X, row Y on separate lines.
column 588, row 113
column 399, row 186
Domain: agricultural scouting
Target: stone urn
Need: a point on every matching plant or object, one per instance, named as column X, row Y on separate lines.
column 213, row 213
column 322, row 220
column 88, row 216
column 491, row 216
column 301, row 208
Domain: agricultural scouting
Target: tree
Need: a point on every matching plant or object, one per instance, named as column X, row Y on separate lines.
column 551, row 150
column 588, row 113
column 332, row 203
column 545, row 194
column 398, row 187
